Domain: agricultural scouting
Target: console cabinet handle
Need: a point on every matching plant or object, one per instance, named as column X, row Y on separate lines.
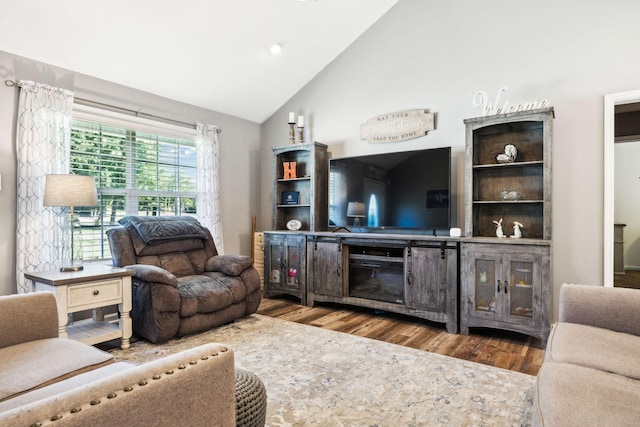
column 96, row 292
column 498, row 286
column 365, row 264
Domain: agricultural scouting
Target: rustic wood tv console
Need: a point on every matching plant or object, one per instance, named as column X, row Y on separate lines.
column 488, row 278
column 460, row 282
column 415, row 275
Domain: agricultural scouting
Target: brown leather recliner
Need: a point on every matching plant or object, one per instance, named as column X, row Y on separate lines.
column 181, row 285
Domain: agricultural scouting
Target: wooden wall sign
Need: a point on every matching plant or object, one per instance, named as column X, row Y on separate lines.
column 395, row 127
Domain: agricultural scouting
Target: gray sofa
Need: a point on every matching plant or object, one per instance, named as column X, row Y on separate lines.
column 44, row 378
column 181, row 286
column 591, row 372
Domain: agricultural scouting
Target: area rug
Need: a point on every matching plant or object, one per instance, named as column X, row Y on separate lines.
column 317, row 377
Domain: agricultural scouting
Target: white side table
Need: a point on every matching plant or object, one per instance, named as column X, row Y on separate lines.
column 93, row 288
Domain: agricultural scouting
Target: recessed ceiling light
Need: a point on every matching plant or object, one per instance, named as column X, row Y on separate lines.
column 275, row 48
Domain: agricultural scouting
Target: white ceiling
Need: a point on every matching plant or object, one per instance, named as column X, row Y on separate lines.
column 209, row 53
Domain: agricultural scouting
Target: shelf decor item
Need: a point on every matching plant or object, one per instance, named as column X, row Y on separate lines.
column 512, row 195
column 275, row 275
column 517, row 232
column 70, row 191
column 499, row 232
column 292, row 132
column 290, row 198
column 293, row 277
column 300, row 129
column 294, row 225
column 289, row 170
column 509, row 155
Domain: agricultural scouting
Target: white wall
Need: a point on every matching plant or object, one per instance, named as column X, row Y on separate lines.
column 436, row 54
column 627, row 199
column 239, row 151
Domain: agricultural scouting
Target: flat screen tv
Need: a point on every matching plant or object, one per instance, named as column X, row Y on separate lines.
column 401, row 192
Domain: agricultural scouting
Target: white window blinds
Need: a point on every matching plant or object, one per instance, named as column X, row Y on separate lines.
column 140, row 169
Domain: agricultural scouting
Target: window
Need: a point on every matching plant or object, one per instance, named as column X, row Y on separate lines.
column 140, row 169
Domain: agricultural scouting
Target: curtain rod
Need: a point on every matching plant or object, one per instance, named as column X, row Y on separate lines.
column 90, row 103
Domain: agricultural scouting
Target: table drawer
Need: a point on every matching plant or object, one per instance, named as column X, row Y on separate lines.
column 94, row 293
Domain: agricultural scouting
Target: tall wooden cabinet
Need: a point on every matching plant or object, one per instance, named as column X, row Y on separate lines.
column 506, row 281
column 300, row 192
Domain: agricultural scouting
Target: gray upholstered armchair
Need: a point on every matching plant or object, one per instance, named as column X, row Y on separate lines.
column 182, row 285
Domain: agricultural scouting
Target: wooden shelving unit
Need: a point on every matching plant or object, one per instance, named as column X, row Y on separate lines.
column 518, row 191
column 310, row 184
column 506, row 282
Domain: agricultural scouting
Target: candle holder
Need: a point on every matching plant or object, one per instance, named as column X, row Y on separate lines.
column 300, row 132
column 292, row 133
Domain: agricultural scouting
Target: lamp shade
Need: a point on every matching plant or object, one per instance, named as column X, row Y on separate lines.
column 355, row 209
column 70, row 190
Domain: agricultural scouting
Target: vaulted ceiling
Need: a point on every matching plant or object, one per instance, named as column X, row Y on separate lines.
column 210, row 53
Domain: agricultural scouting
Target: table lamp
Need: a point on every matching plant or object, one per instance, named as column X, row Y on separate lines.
column 355, row 210
column 70, row 190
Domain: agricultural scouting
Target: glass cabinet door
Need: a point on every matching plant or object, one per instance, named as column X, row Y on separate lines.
column 285, row 265
column 506, row 286
column 286, row 258
column 486, row 283
column 293, row 267
column 276, row 263
column 521, row 299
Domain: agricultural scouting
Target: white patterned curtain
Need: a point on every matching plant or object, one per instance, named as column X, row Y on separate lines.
column 208, row 182
column 43, row 147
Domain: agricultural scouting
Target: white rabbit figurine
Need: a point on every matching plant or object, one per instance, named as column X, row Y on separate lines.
column 517, row 233
column 499, row 232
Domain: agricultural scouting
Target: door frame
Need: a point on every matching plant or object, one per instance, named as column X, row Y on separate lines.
column 610, row 102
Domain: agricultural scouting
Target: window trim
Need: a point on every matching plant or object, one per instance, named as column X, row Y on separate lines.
column 88, row 113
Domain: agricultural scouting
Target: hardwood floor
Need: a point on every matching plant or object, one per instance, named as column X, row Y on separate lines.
column 502, row 349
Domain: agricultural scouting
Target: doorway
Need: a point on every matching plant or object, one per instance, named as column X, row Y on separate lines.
column 620, row 101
